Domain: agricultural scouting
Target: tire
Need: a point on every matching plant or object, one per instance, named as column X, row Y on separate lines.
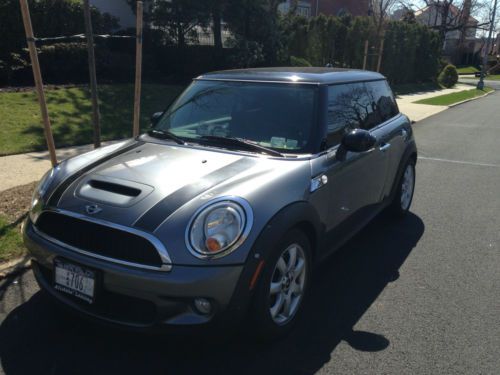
column 290, row 287
column 405, row 188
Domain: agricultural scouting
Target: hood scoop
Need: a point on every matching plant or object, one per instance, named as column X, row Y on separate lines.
column 115, row 188
column 112, row 191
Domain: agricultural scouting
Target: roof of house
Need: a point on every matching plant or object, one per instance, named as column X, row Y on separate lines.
column 308, row 75
column 453, row 9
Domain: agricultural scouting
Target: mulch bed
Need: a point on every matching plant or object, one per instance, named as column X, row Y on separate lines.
column 15, row 202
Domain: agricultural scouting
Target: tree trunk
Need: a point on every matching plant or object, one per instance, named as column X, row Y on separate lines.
column 181, row 40
column 216, row 27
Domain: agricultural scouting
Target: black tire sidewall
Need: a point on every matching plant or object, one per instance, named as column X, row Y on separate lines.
column 263, row 324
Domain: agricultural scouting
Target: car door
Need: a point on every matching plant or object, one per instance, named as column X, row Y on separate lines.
column 392, row 131
column 355, row 183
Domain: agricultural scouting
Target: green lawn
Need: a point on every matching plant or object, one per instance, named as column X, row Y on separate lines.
column 467, row 70
column 494, row 77
column 11, row 242
column 455, row 97
column 70, row 110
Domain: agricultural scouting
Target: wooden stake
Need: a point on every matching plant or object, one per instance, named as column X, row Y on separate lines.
column 93, row 78
column 138, row 71
column 365, row 55
column 380, row 53
column 37, row 75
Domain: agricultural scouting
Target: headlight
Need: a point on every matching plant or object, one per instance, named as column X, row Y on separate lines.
column 39, row 193
column 219, row 227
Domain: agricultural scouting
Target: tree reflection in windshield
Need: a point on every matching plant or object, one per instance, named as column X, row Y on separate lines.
column 279, row 116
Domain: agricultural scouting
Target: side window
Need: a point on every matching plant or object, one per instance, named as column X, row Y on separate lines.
column 383, row 106
column 348, row 109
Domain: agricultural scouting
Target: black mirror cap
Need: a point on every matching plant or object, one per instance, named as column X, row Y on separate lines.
column 155, row 117
column 358, row 140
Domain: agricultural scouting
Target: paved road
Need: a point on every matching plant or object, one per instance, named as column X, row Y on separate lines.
column 487, row 82
column 420, row 296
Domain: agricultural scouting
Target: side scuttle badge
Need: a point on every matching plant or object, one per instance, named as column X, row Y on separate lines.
column 318, row 182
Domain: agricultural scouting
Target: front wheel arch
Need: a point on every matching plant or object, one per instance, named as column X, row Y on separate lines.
column 299, row 215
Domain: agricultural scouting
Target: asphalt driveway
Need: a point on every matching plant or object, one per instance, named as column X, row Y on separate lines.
column 419, row 296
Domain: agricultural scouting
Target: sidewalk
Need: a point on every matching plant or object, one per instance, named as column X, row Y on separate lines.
column 16, row 170
column 417, row 112
column 21, row 169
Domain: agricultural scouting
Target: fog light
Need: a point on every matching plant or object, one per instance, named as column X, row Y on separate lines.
column 203, row 306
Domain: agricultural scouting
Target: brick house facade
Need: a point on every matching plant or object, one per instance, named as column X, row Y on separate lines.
column 311, row 8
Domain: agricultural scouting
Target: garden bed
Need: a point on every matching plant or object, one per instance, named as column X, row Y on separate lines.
column 14, row 206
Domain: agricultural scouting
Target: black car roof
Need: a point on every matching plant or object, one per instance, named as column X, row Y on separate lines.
column 293, row 75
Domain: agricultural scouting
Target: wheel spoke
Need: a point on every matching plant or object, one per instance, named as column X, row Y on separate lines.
column 275, row 287
column 288, row 304
column 282, row 266
column 296, row 288
column 300, row 267
column 293, row 258
column 278, row 305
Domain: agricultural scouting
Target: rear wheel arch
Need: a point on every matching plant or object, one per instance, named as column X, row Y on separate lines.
column 409, row 154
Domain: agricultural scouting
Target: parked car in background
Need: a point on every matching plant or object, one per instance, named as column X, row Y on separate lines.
column 248, row 180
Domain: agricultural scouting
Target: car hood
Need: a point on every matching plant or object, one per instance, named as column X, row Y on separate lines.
column 146, row 184
column 158, row 187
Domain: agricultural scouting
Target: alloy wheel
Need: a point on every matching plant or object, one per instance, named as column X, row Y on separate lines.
column 287, row 284
column 407, row 186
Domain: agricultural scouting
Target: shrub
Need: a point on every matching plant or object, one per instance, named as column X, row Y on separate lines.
column 449, row 76
column 247, row 53
column 50, row 18
column 299, row 61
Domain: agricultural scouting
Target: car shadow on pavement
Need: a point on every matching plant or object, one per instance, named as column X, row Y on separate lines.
column 36, row 337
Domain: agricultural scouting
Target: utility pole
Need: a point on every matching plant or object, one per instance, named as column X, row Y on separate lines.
column 480, row 84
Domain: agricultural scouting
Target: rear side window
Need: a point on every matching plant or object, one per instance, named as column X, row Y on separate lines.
column 358, row 105
column 383, row 103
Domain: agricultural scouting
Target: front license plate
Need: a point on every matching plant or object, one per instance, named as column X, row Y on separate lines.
column 75, row 280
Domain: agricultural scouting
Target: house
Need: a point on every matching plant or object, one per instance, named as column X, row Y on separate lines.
column 117, row 8
column 310, row 8
column 458, row 41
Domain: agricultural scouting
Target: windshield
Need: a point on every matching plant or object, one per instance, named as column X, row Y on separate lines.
column 278, row 116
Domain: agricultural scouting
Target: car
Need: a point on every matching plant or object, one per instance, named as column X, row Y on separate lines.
column 222, row 210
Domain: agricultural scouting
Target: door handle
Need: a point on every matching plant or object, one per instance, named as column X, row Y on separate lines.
column 384, row 147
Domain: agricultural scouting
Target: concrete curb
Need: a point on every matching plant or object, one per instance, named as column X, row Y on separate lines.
column 14, row 267
column 471, row 99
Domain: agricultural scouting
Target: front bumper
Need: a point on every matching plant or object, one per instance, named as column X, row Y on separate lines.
column 139, row 298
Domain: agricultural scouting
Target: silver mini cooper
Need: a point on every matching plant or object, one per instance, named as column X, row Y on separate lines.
column 221, row 211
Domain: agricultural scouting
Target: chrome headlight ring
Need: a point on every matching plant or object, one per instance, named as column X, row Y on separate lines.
column 37, row 200
column 219, row 227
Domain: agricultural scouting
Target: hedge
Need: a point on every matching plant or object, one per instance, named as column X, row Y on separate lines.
column 411, row 51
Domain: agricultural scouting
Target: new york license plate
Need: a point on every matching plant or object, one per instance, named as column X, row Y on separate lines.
column 75, row 280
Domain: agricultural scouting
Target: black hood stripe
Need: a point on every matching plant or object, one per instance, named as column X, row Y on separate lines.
column 59, row 191
column 167, row 206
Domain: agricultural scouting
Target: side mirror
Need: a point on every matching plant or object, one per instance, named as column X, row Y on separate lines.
column 357, row 140
column 155, row 117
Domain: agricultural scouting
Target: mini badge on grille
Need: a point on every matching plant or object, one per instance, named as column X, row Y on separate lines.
column 92, row 209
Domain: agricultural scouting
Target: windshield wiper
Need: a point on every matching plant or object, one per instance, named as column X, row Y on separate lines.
column 164, row 134
column 241, row 143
